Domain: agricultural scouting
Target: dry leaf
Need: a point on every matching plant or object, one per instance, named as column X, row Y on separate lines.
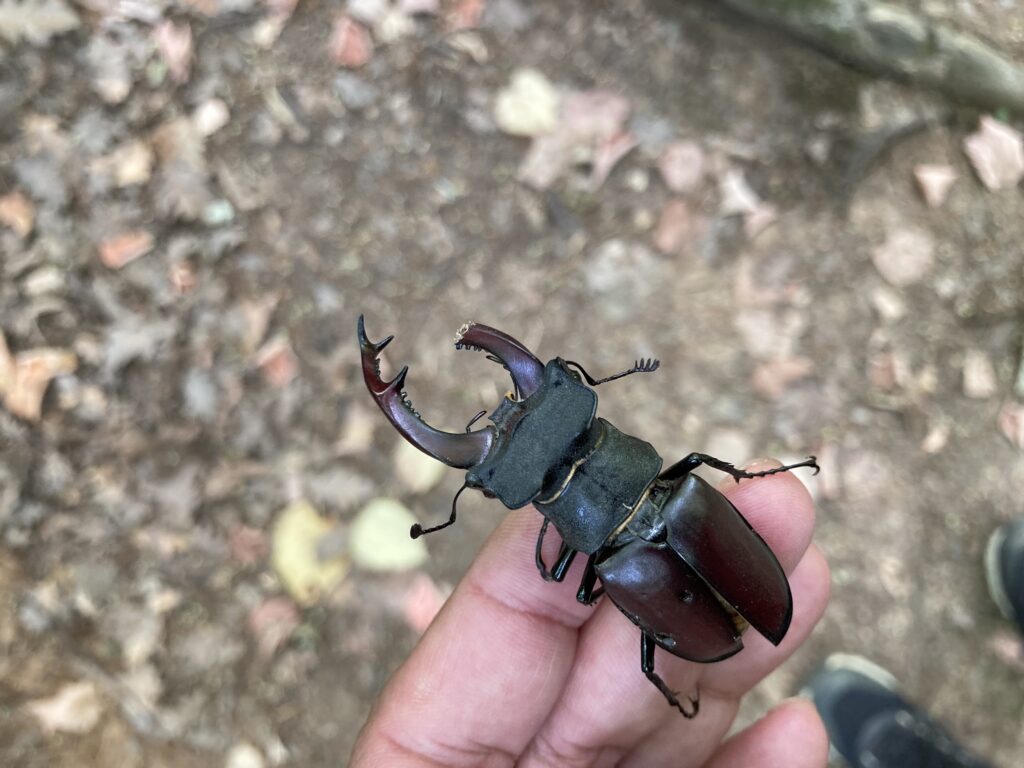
column 588, row 117
column 675, row 228
column 174, row 41
column 421, row 603
column 296, row 557
column 248, row 546
column 25, row 377
column 75, row 708
column 682, row 166
column 181, row 184
column 380, row 540
column 528, row 105
column 277, row 362
column 350, row 45
column 210, row 117
column 997, row 153
column 609, row 152
column 1011, row 423
column 738, row 197
column 129, row 164
column 272, row 623
column 119, row 250
column 417, row 471
column 36, row 21
column 905, row 257
column 18, row 213
column 934, row 182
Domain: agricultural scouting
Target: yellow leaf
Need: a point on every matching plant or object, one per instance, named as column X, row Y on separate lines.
column 297, row 557
column 380, row 539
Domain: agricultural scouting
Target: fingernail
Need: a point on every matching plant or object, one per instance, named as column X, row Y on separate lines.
column 760, row 465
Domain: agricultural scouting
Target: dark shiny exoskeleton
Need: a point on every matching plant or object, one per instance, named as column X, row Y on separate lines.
column 672, row 553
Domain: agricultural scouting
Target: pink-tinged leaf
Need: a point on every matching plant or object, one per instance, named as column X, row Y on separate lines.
column 997, row 153
column 174, row 41
column 465, row 14
column 594, row 116
column 421, row 603
column 773, row 377
column 682, row 166
column 934, row 182
column 277, row 362
column 351, row 45
column 905, row 257
column 272, row 623
column 675, row 228
column 122, row 249
column 18, row 213
column 25, row 377
column 1011, row 423
column 609, row 152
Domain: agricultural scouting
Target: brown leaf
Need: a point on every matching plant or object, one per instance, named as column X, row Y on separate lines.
column 277, row 361
column 174, row 41
column 934, row 182
column 350, row 45
column 24, row 377
column 1011, row 423
column 18, row 213
column 272, row 623
column 181, row 184
column 122, row 249
column 997, row 153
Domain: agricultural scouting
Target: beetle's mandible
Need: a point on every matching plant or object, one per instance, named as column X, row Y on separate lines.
column 673, row 554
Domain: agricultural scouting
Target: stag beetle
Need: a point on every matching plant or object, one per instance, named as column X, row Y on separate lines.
column 673, row 554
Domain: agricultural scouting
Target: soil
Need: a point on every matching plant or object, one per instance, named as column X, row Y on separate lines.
column 389, row 191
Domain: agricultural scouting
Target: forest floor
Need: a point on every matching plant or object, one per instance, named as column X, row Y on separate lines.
column 198, row 200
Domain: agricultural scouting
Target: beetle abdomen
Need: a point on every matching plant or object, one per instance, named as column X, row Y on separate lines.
column 602, row 488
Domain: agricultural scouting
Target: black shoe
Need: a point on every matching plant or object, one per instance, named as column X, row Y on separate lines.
column 870, row 725
column 1004, row 570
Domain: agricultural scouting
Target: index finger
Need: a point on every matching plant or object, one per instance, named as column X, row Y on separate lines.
column 506, row 636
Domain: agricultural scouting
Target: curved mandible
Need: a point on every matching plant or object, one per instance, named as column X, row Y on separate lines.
column 456, row 450
column 526, row 370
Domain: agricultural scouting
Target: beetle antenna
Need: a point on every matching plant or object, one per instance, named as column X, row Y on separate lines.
column 418, row 530
column 475, row 419
column 640, row 366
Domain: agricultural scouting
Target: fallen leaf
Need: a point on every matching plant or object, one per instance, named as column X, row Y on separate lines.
column 380, row 541
column 465, row 14
column 248, row 546
column 773, row 377
column 675, row 228
column 75, row 708
column 417, row 471
column 905, row 257
column 181, row 184
column 277, row 362
column 350, row 45
column 588, row 117
column 295, row 554
column 36, row 21
column 18, row 213
column 272, row 623
column 393, row 26
column 1011, row 423
column 979, row 375
column 129, row 164
column 421, row 602
column 682, row 166
column 24, row 377
column 174, row 41
column 997, row 153
column 934, row 182
column 119, row 250
column 739, row 198
column 528, row 105
column 609, row 152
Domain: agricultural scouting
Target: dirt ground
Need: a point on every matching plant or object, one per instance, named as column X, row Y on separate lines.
column 217, row 376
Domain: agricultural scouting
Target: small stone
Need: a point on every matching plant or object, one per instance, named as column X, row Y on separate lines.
column 210, row 117
column 997, row 153
column 979, row 375
column 120, row 250
column 244, row 755
column 217, row 213
column 906, row 256
column 355, row 92
column 682, row 166
column 528, row 106
column 934, row 182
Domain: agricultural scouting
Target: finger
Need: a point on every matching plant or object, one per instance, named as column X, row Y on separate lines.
column 489, row 668
column 607, row 699
column 792, row 735
column 723, row 684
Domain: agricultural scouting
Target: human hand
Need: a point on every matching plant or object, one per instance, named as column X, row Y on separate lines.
column 514, row 671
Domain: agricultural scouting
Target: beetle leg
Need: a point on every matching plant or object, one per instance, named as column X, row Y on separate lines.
column 640, row 366
column 565, row 558
column 587, row 594
column 694, row 460
column 647, row 647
